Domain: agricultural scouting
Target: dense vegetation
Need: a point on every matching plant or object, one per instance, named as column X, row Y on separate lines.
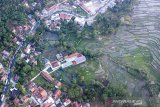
column 105, row 24
column 11, row 13
column 81, row 90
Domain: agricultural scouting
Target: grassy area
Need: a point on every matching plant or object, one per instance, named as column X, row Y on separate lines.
column 86, row 72
column 137, row 61
column 40, row 81
column 141, row 60
column 80, row 11
column 92, row 45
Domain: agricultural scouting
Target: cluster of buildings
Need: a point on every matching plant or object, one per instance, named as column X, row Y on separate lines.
column 91, row 6
column 64, row 61
column 55, row 20
column 29, row 54
column 3, row 73
column 46, row 98
column 64, row 11
column 18, row 37
column 5, row 54
column 40, row 97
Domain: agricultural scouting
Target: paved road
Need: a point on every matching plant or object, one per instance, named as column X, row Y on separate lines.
column 89, row 19
column 11, row 65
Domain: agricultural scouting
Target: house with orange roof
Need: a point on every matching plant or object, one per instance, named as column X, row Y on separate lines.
column 57, row 94
column 16, row 101
column 3, row 73
column 40, row 94
column 49, row 102
column 46, row 75
column 32, row 86
column 6, row 105
column 49, row 10
column 76, row 104
column 64, row 16
column 5, row 54
column 55, row 65
column 73, row 59
column 58, row 84
column 27, row 49
column 67, row 102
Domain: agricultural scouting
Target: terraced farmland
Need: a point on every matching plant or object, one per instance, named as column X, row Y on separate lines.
column 136, row 45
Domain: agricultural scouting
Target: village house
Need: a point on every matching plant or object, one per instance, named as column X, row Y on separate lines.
column 76, row 104
column 25, row 4
column 58, row 84
column 65, row 16
column 3, row 77
column 66, row 61
column 51, row 9
column 46, row 75
column 22, row 55
column 55, row 65
column 60, row 57
column 39, row 94
column 3, row 73
column 28, row 49
column 91, row 7
column 6, row 105
column 25, row 100
column 112, row 3
column 5, row 54
column 50, row 102
column 57, row 94
column 67, row 102
column 16, row 101
column 73, row 59
column 16, row 40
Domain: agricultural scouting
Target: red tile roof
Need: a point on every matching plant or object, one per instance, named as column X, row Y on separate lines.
column 76, row 104
column 57, row 94
column 59, row 84
column 46, row 75
column 47, row 105
column 78, row 58
column 16, row 101
column 54, row 7
column 76, row 54
column 40, row 93
column 64, row 16
column 15, row 40
column 6, row 105
column 55, row 64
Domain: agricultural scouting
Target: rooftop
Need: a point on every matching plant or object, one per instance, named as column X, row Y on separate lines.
column 64, row 16
column 46, row 75
column 40, row 93
column 16, row 101
column 57, row 94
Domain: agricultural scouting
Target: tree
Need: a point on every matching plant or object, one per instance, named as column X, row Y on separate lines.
column 11, row 13
column 74, row 92
column 115, row 91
